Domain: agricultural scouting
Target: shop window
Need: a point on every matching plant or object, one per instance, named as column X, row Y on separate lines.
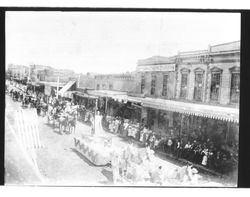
column 151, row 118
column 153, row 84
column 235, row 87
column 110, row 86
column 165, row 85
column 215, row 85
column 198, row 85
column 98, row 86
column 142, row 84
column 163, row 121
column 184, row 84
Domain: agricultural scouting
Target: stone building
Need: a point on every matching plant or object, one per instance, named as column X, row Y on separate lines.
column 210, row 76
column 194, row 94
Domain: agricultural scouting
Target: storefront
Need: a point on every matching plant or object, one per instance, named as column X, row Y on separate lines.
column 118, row 104
column 50, row 89
column 126, row 110
column 194, row 122
column 84, row 99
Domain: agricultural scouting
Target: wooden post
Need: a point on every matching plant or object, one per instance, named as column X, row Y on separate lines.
column 106, row 104
column 57, row 87
column 96, row 102
column 180, row 131
column 227, row 133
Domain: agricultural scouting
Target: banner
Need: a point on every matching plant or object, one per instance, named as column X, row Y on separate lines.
column 158, row 67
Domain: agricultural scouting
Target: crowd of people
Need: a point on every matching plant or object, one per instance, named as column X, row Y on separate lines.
column 28, row 98
column 139, row 166
column 205, row 152
column 64, row 112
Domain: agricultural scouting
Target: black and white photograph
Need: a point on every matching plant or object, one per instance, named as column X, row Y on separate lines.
column 109, row 98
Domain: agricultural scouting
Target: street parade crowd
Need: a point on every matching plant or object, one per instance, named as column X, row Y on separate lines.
column 203, row 152
column 58, row 112
column 128, row 163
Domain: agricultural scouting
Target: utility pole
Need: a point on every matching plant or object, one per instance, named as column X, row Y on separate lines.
column 78, row 84
column 57, row 87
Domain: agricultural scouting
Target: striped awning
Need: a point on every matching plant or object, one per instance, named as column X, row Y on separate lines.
column 204, row 110
column 215, row 112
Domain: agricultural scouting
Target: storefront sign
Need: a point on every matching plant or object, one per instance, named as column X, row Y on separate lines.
column 160, row 67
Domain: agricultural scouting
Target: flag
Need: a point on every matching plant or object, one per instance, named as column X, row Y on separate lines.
column 28, row 132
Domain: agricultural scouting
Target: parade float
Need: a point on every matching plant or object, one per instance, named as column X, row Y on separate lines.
column 131, row 165
column 95, row 147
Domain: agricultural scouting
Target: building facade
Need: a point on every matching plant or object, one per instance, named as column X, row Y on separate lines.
column 185, row 95
column 19, row 72
column 86, row 81
column 116, row 82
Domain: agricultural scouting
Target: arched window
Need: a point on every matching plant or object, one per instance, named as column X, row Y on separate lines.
column 153, row 84
column 184, row 83
column 142, row 84
column 165, row 85
column 198, row 85
column 215, row 83
column 235, row 85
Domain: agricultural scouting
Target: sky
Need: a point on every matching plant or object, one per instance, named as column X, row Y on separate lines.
column 111, row 42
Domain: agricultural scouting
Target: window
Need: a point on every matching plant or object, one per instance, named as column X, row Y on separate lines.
column 235, row 88
column 184, row 83
column 98, row 86
column 215, row 86
column 103, row 86
column 110, row 86
column 142, row 84
column 165, row 85
column 153, row 84
column 198, row 85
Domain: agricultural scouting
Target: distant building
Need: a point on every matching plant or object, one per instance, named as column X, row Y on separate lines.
column 37, row 72
column 19, row 72
column 116, row 82
column 86, row 81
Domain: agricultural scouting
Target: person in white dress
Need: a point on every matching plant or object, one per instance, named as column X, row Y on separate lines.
column 98, row 124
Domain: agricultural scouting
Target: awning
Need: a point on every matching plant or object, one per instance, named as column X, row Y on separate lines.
column 69, row 94
column 106, row 93
column 66, row 88
column 84, row 95
column 52, row 84
column 17, row 88
column 116, row 95
column 33, row 84
column 208, row 111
